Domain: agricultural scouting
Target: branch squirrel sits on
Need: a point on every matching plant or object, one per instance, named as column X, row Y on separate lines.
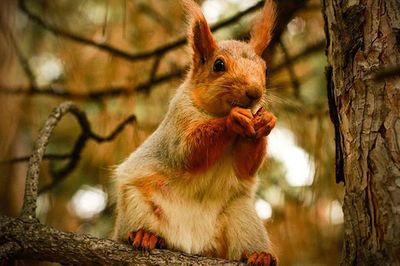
column 191, row 185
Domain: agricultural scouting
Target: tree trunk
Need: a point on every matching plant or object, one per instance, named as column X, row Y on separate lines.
column 363, row 43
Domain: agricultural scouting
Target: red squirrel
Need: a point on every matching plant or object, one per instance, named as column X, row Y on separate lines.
column 191, row 185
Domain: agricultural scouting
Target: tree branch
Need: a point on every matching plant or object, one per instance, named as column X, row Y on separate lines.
column 316, row 47
column 45, row 243
column 161, row 50
column 26, row 238
column 75, row 155
column 25, row 65
column 31, row 187
column 95, row 95
column 290, row 69
column 99, row 94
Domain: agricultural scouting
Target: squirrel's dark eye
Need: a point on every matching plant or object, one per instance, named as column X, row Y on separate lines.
column 219, row 66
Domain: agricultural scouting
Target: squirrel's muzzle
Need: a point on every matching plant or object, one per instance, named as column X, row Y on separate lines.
column 253, row 94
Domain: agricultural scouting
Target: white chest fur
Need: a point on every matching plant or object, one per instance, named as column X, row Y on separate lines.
column 191, row 209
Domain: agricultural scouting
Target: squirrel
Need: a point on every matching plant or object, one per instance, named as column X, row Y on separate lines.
column 191, row 185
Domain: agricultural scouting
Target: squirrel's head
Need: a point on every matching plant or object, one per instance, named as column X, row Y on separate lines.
column 229, row 73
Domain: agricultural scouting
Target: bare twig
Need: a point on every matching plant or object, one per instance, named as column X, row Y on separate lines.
column 31, row 188
column 95, row 95
column 99, row 94
column 24, row 159
column 286, row 11
column 291, row 71
column 75, row 155
column 154, row 68
column 25, row 64
column 156, row 16
column 123, row 54
column 316, row 47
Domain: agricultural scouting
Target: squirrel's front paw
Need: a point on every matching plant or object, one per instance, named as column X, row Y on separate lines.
column 264, row 122
column 259, row 258
column 240, row 122
column 145, row 240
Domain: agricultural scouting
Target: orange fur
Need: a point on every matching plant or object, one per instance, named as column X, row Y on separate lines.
column 222, row 242
column 216, row 93
column 261, row 33
column 206, row 142
column 212, row 116
column 147, row 186
column 248, row 155
column 200, row 37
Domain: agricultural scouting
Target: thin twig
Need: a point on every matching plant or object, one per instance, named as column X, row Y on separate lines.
column 25, row 64
column 316, row 47
column 24, row 159
column 75, row 155
column 95, row 95
column 31, row 187
column 154, row 68
column 123, row 54
column 291, row 71
column 99, row 94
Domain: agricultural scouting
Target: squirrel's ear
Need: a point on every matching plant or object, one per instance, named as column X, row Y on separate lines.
column 261, row 32
column 200, row 37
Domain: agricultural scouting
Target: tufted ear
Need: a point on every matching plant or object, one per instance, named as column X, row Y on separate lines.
column 261, row 32
column 200, row 37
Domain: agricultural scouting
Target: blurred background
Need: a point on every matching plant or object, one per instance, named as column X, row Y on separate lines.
column 117, row 58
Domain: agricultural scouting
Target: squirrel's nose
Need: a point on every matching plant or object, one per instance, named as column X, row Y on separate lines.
column 253, row 94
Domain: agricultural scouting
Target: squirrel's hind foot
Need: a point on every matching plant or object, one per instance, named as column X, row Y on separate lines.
column 259, row 258
column 145, row 240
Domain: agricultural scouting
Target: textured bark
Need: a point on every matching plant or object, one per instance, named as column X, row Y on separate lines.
column 26, row 238
column 363, row 39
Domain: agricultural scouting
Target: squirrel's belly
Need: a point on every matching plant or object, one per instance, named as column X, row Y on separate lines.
column 189, row 226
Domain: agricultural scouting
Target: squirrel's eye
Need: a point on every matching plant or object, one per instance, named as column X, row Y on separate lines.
column 219, row 66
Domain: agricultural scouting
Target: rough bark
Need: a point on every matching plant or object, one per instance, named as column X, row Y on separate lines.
column 26, row 238
column 29, row 239
column 362, row 40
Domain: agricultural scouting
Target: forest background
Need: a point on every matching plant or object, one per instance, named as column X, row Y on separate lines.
column 121, row 61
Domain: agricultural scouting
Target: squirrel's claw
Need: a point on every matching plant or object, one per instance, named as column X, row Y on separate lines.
column 145, row 240
column 259, row 258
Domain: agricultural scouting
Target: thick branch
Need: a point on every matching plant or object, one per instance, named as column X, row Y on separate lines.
column 45, row 243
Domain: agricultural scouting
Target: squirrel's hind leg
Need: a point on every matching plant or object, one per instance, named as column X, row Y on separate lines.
column 245, row 233
column 138, row 216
